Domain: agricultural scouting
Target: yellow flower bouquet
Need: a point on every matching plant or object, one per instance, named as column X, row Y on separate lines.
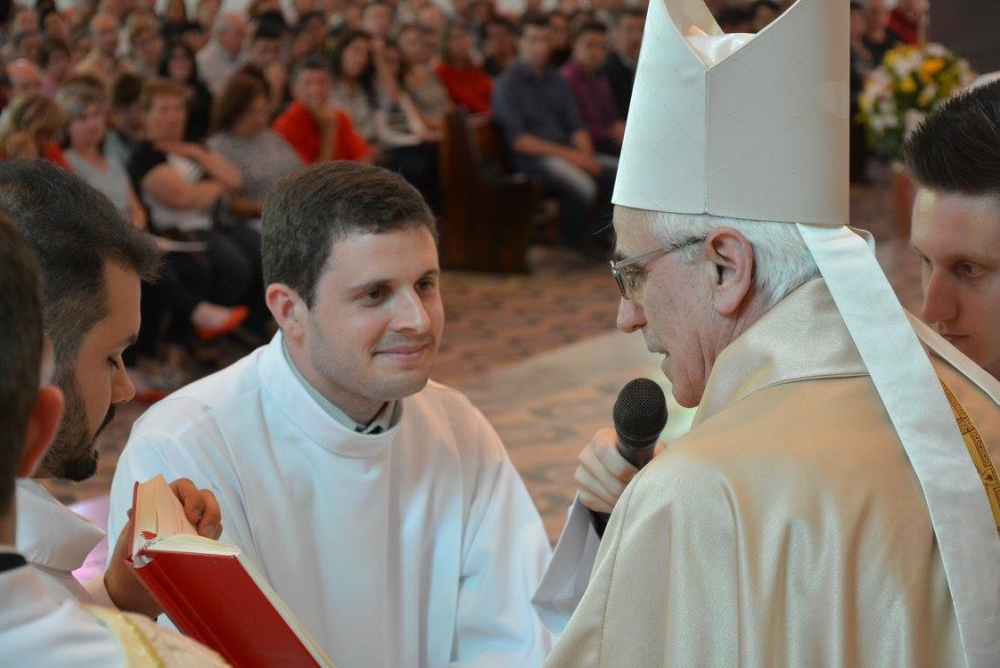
column 909, row 84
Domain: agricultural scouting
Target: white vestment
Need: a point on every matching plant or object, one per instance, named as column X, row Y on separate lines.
column 786, row 528
column 56, row 541
column 44, row 631
column 415, row 547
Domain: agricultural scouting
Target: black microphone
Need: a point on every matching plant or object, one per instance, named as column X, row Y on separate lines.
column 640, row 414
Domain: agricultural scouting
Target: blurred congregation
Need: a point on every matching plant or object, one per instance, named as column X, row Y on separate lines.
column 188, row 115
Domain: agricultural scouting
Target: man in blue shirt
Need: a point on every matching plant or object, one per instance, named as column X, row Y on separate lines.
column 536, row 111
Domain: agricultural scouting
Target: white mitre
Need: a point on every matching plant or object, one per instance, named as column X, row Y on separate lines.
column 755, row 127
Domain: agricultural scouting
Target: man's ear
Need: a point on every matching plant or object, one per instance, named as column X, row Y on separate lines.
column 42, row 429
column 732, row 257
column 288, row 308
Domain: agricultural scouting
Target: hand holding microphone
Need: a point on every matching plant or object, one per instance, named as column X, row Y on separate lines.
column 614, row 456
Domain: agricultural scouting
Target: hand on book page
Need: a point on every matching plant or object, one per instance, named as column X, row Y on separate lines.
column 201, row 510
column 210, row 590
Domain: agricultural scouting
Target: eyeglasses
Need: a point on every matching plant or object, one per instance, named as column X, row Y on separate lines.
column 628, row 271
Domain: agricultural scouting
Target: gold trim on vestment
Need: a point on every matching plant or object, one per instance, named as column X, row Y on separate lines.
column 977, row 450
column 136, row 647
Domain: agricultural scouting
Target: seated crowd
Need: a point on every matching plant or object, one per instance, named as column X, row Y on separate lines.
column 187, row 122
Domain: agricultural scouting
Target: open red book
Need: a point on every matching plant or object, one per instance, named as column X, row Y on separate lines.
column 210, row 590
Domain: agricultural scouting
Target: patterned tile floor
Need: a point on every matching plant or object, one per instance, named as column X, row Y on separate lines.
column 539, row 354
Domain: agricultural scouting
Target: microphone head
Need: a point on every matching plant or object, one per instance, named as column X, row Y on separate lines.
column 640, row 414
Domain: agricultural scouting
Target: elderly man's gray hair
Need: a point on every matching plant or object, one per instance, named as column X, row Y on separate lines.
column 782, row 262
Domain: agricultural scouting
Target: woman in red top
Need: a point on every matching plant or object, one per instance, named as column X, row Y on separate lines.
column 468, row 84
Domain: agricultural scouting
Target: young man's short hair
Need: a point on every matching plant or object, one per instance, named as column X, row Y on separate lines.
column 588, row 27
column 957, row 149
column 20, row 351
column 74, row 230
column 317, row 207
column 309, row 63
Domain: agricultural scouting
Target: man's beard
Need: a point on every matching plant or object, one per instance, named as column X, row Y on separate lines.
column 73, row 455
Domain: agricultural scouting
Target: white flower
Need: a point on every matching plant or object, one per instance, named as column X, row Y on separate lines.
column 937, row 51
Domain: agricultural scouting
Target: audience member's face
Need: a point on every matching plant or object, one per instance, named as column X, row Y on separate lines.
column 149, row 45
column 559, row 32
column 590, row 50
column 432, row 17
column 207, row 11
column 232, row 37
column 535, row 45
column 28, row 47
column 412, row 47
column 628, row 38
column 96, row 382
column 87, row 130
column 377, row 19
column 265, row 52
column 958, row 239
column 859, row 23
column 355, row 58
column 24, row 78
column 254, row 119
column 166, row 118
column 312, row 89
column 459, row 44
column 58, row 66
column 104, row 29
column 180, row 67
column 56, row 26
column 376, row 322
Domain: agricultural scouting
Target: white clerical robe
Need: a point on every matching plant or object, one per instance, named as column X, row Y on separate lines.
column 415, row 547
column 56, row 541
column 786, row 528
column 41, row 630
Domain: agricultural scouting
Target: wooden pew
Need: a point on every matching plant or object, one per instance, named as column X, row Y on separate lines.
column 490, row 213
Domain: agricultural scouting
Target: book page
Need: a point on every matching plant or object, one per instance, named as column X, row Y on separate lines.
column 157, row 513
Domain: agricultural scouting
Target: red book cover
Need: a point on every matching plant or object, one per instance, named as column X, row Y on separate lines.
column 210, row 590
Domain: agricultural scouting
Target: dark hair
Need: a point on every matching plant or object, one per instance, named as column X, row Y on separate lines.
column 444, row 46
column 344, row 40
column 126, row 90
column 74, row 231
column 501, row 21
column 20, row 351
column 164, row 70
column 308, row 212
column 51, row 46
column 367, row 79
column 957, row 149
column 589, row 26
column 311, row 62
column 532, row 20
column 234, row 101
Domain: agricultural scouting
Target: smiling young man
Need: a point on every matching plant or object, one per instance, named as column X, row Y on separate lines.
column 381, row 507
column 955, row 159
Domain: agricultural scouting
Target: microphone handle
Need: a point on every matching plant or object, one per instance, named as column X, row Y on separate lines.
column 637, row 457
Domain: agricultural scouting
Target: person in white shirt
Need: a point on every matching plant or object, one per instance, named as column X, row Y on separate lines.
column 223, row 55
column 36, row 627
column 382, row 507
column 91, row 261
